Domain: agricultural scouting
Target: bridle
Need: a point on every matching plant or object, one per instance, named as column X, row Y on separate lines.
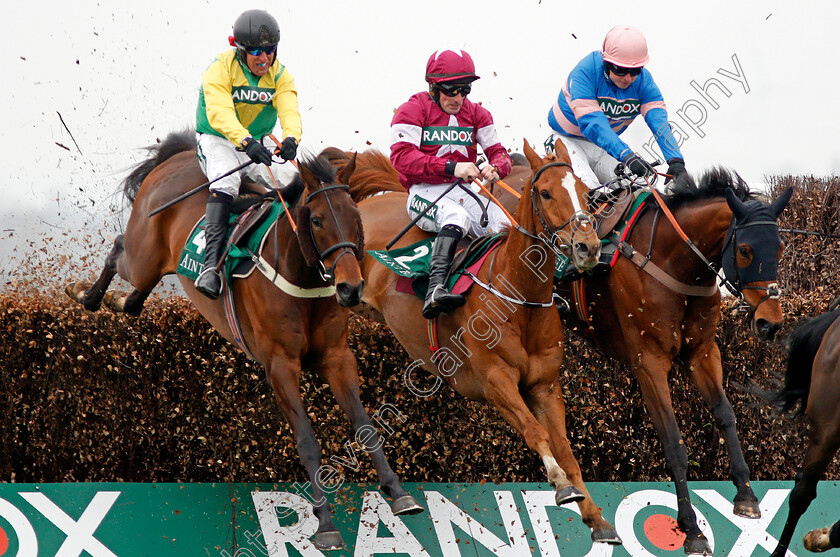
column 737, row 284
column 546, row 238
column 580, row 218
column 328, row 274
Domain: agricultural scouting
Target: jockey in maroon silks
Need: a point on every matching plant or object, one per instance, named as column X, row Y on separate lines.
column 434, row 139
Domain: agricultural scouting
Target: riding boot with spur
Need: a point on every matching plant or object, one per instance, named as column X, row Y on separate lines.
column 209, row 282
column 438, row 300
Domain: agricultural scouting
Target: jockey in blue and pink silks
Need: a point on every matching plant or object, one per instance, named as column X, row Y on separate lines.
column 601, row 97
column 434, row 139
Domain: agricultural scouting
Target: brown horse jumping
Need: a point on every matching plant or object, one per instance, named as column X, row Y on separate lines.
column 504, row 346
column 302, row 326
column 649, row 322
column 813, row 378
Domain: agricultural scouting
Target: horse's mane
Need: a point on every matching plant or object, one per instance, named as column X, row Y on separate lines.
column 174, row 143
column 374, row 172
column 713, row 184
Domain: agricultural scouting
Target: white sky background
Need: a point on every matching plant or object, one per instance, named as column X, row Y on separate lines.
column 124, row 75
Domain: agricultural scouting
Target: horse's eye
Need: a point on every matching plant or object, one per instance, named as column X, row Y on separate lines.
column 545, row 194
column 316, row 222
column 744, row 251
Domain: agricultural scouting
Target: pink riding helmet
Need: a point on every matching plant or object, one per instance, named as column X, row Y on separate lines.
column 449, row 65
column 625, row 46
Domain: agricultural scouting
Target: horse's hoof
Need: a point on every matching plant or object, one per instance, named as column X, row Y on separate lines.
column 817, row 540
column 697, row 545
column 406, row 505
column 328, row 541
column 568, row 494
column 114, row 300
column 747, row 509
column 76, row 291
column 607, row 534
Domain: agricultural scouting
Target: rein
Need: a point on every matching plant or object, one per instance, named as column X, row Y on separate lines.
column 327, row 274
column 772, row 291
column 724, row 281
column 536, row 205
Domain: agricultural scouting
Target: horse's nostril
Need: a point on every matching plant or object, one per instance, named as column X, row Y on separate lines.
column 349, row 294
column 766, row 329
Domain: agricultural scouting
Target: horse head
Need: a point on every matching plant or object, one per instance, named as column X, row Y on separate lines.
column 750, row 259
column 558, row 199
column 330, row 227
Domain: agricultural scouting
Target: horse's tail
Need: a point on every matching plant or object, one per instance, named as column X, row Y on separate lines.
column 174, row 143
column 802, row 346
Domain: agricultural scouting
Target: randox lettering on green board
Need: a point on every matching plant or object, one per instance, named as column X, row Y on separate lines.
column 510, row 520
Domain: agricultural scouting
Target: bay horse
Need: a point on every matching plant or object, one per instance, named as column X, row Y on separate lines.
column 648, row 319
column 288, row 330
column 812, row 378
column 505, row 345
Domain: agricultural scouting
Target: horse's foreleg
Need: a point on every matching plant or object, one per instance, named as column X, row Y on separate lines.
column 823, row 442
column 546, row 403
column 338, row 368
column 502, row 391
column 803, row 492
column 652, row 372
column 705, row 367
column 91, row 296
column 284, row 375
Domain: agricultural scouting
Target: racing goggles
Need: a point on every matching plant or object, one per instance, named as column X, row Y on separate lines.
column 450, row 89
column 257, row 50
column 620, row 71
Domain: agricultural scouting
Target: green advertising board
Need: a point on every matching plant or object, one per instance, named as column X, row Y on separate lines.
column 509, row 520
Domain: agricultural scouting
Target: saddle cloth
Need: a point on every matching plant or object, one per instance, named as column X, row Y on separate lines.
column 247, row 231
column 411, row 263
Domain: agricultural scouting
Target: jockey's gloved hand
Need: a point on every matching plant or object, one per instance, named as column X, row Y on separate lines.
column 256, row 151
column 288, row 148
column 676, row 167
column 466, row 171
column 637, row 165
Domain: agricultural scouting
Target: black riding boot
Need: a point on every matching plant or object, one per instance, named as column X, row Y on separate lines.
column 209, row 282
column 438, row 300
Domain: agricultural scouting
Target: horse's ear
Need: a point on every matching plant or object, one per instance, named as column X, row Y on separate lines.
column 781, row 202
column 561, row 151
column 736, row 205
column 533, row 158
column 306, row 176
column 345, row 173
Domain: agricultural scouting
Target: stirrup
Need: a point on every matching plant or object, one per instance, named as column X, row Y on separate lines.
column 433, row 306
column 212, row 294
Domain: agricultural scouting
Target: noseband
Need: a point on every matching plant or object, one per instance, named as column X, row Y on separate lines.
column 328, row 274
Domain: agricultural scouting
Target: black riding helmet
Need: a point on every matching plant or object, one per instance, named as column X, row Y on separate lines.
column 255, row 28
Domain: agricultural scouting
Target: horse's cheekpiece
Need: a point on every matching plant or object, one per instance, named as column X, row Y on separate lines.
column 248, row 231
